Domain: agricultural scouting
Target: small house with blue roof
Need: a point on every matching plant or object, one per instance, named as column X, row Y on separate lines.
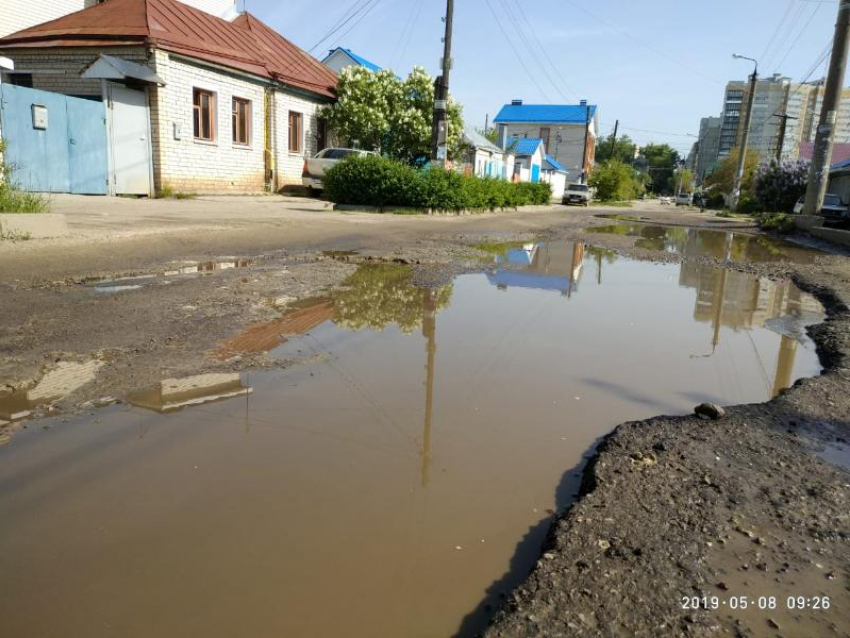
column 340, row 58
column 556, row 175
column 562, row 128
column 483, row 158
column 530, row 155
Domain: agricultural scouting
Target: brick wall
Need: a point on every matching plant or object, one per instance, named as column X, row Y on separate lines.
column 287, row 164
column 58, row 70
column 188, row 164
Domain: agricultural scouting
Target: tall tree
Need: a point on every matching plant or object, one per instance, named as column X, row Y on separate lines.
column 723, row 177
column 389, row 115
column 623, row 149
column 662, row 160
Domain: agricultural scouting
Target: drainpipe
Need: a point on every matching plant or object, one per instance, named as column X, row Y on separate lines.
column 268, row 145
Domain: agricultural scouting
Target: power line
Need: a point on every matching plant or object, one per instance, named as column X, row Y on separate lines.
column 374, row 4
column 799, row 35
column 642, row 43
column 345, row 19
column 781, row 24
column 516, row 53
column 786, row 34
column 406, row 32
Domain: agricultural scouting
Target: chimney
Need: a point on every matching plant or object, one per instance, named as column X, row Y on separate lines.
column 583, row 103
column 516, row 102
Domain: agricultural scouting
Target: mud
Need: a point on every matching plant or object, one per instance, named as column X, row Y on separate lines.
column 670, row 507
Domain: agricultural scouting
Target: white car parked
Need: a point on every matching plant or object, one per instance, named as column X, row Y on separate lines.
column 315, row 167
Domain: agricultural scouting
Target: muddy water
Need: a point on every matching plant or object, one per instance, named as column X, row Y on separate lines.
column 398, row 483
column 719, row 244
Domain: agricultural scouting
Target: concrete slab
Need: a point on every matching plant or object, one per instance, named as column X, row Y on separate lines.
column 33, row 225
column 834, row 235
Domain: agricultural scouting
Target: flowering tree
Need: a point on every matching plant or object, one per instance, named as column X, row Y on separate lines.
column 778, row 186
column 389, row 115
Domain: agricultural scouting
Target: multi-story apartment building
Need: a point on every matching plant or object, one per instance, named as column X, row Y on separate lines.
column 770, row 98
column 17, row 15
column 708, row 146
column 804, row 104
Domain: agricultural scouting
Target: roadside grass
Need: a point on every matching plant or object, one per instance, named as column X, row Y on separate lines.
column 13, row 200
column 167, row 192
column 728, row 214
column 12, row 235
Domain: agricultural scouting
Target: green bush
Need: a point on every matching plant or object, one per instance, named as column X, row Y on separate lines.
column 377, row 181
column 778, row 222
column 12, row 198
column 615, row 181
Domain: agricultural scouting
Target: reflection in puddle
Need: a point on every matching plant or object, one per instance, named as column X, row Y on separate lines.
column 712, row 243
column 407, row 476
column 175, row 394
column 121, row 284
column 62, row 380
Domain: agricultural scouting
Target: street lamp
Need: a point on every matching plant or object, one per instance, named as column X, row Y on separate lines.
column 745, row 138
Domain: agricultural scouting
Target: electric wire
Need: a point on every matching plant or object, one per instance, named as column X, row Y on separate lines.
column 353, row 10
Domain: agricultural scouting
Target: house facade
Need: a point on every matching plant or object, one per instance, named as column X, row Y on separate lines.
column 230, row 105
column 485, row 159
column 568, row 132
column 340, row 58
column 530, row 155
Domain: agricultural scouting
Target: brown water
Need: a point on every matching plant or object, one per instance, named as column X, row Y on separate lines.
column 719, row 244
column 396, row 485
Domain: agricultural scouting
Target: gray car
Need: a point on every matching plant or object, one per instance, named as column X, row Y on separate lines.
column 834, row 211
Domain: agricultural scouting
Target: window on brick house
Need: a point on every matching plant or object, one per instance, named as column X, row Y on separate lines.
column 203, row 104
column 295, row 130
column 241, row 121
column 22, row 79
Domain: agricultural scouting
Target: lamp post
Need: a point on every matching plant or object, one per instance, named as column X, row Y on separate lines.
column 745, row 138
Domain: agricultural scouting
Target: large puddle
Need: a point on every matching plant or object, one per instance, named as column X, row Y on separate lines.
column 399, row 483
column 722, row 245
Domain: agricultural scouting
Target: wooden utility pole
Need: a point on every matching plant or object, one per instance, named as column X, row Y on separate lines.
column 614, row 140
column 782, row 128
column 584, row 167
column 440, row 130
column 745, row 138
column 822, row 155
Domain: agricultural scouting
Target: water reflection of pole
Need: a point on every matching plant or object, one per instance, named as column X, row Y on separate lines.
column 429, row 331
column 575, row 265
column 788, row 346
column 599, row 268
column 719, row 295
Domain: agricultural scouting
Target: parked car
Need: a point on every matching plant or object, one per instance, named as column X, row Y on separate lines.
column 833, row 211
column 665, row 200
column 578, row 194
column 684, row 199
column 315, row 167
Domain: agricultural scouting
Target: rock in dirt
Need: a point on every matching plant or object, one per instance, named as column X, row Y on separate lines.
column 709, row 411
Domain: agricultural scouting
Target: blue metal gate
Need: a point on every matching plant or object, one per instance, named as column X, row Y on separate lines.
column 55, row 143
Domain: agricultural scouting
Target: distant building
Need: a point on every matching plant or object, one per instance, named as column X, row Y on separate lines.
column 776, row 96
column 339, row 59
column 563, row 129
column 708, row 146
column 484, row 158
column 556, row 176
column 530, row 155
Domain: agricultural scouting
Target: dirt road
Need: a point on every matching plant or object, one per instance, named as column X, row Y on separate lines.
column 672, row 508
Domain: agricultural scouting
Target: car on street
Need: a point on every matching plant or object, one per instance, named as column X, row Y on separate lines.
column 684, row 199
column 665, row 200
column 834, row 210
column 316, row 167
column 581, row 194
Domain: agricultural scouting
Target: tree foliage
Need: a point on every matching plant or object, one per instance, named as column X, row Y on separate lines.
column 662, row 160
column 391, row 116
column 682, row 177
column 615, row 181
column 623, row 149
column 778, row 186
column 723, row 177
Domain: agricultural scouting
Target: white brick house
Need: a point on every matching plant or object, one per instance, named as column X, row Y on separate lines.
column 236, row 109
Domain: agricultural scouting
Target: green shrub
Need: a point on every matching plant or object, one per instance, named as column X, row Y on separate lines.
column 778, row 222
column 12, row 198
column 377, row 181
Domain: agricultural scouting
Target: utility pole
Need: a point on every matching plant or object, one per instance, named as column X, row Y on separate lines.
column 584, row 171
column 782, row 128
column 745, row 138
column 614, row 140
column 440, row 130
column 822, row 157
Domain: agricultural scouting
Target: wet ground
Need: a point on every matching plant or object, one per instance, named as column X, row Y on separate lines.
column 331, row 465
column 436, row 430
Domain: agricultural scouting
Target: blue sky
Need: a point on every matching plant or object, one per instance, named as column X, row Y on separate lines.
column 656, row 65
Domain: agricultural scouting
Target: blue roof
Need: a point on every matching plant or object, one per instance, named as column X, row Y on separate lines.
column 360, row 60
column 525, row 145
column 546, row 113
column 554, row 164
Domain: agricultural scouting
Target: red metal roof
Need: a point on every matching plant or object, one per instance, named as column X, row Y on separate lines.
column 840, row 152
column 245, row 44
